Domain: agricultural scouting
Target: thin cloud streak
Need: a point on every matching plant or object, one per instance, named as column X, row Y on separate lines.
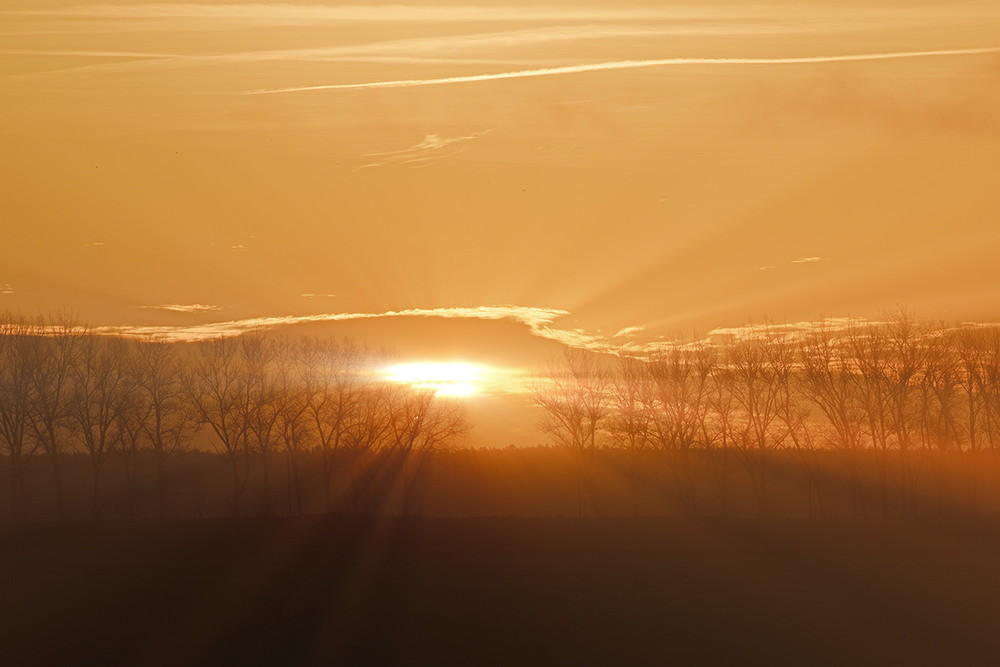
column 312, row 13
column 183, row 308
column 631, row 64
column 628, row 332
column 381, row 13
column 419, row 50
column 427, row 149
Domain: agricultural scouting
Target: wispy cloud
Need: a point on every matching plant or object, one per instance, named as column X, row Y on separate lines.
column 465, row 49
column 628, row 332
column 183, row 308
column 285, row 13
column 793, row 330
column 629, row 64
column 541, row 322
column 538, row 320
column 311, row 13
column 786, row 262
column 428, row 148
column 7, row 288
column 315, row 295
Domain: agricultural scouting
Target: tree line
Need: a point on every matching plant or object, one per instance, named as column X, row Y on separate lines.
column 884, row 398
column 66, row 390
column 874, row 412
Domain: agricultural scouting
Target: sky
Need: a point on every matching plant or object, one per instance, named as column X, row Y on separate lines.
column 489, row 182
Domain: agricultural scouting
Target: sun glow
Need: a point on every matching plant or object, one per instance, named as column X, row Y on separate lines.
column 447, row 379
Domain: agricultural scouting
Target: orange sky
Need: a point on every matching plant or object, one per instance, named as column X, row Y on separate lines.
column 723, row 184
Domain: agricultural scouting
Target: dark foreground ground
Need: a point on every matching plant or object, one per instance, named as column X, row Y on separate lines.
column 329, row 591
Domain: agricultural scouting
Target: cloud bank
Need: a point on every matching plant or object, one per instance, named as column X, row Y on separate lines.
column 538, row 320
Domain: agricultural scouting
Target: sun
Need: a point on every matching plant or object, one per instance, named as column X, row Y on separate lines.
column 445, row 378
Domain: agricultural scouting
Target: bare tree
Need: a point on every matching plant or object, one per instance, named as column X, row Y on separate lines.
column 828, row 382
column 333, row 381
column 752, row 371
column 99, row 394
column 132, row 425
column 262, row 405
column 368, row 433
column 54, row 354
column 294, row 426
column 907, row 338
column 217, row 388
column 630, row 419
column 941, row 405
column 679, row 408
column 871, row 356
column 420, row 423
column 18, row 343
column 720, row 426
column 971, row 345
column 574, row 399
column 171, row 419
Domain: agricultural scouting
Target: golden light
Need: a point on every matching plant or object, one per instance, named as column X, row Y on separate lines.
column 448, row 379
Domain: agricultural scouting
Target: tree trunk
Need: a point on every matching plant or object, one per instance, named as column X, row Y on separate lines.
column 327, row 481
column 237, row 490
column 98, row 509
column 267, row 484
column 17, row 508
column 160, row 484
column 57, row 480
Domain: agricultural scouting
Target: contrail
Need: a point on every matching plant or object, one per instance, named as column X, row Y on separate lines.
column 628, row 64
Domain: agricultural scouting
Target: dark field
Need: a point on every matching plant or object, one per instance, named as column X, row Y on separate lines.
column 337, row 590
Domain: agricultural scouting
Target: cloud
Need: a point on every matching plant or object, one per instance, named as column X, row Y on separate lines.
column 292, row 13
column 312, row 13
column 239, row 247
column 313, row 295
column 426, row 149
column 808, row 260
column 183, row 308
column 629, row 64
column 541, row 322
column 538, row 321
column 792, row 330
column 628, row 332
column 7, row 289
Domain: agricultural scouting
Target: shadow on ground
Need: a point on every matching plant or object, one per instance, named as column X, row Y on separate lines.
column 338, row 590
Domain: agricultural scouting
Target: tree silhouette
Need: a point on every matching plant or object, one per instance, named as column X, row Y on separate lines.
column 100, row 391
column 18, row 343
column 574, row 398
column 217, row 387
column 54, row 355
column 170, row 420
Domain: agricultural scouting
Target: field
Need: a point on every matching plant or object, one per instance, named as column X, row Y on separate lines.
column 356, row 590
